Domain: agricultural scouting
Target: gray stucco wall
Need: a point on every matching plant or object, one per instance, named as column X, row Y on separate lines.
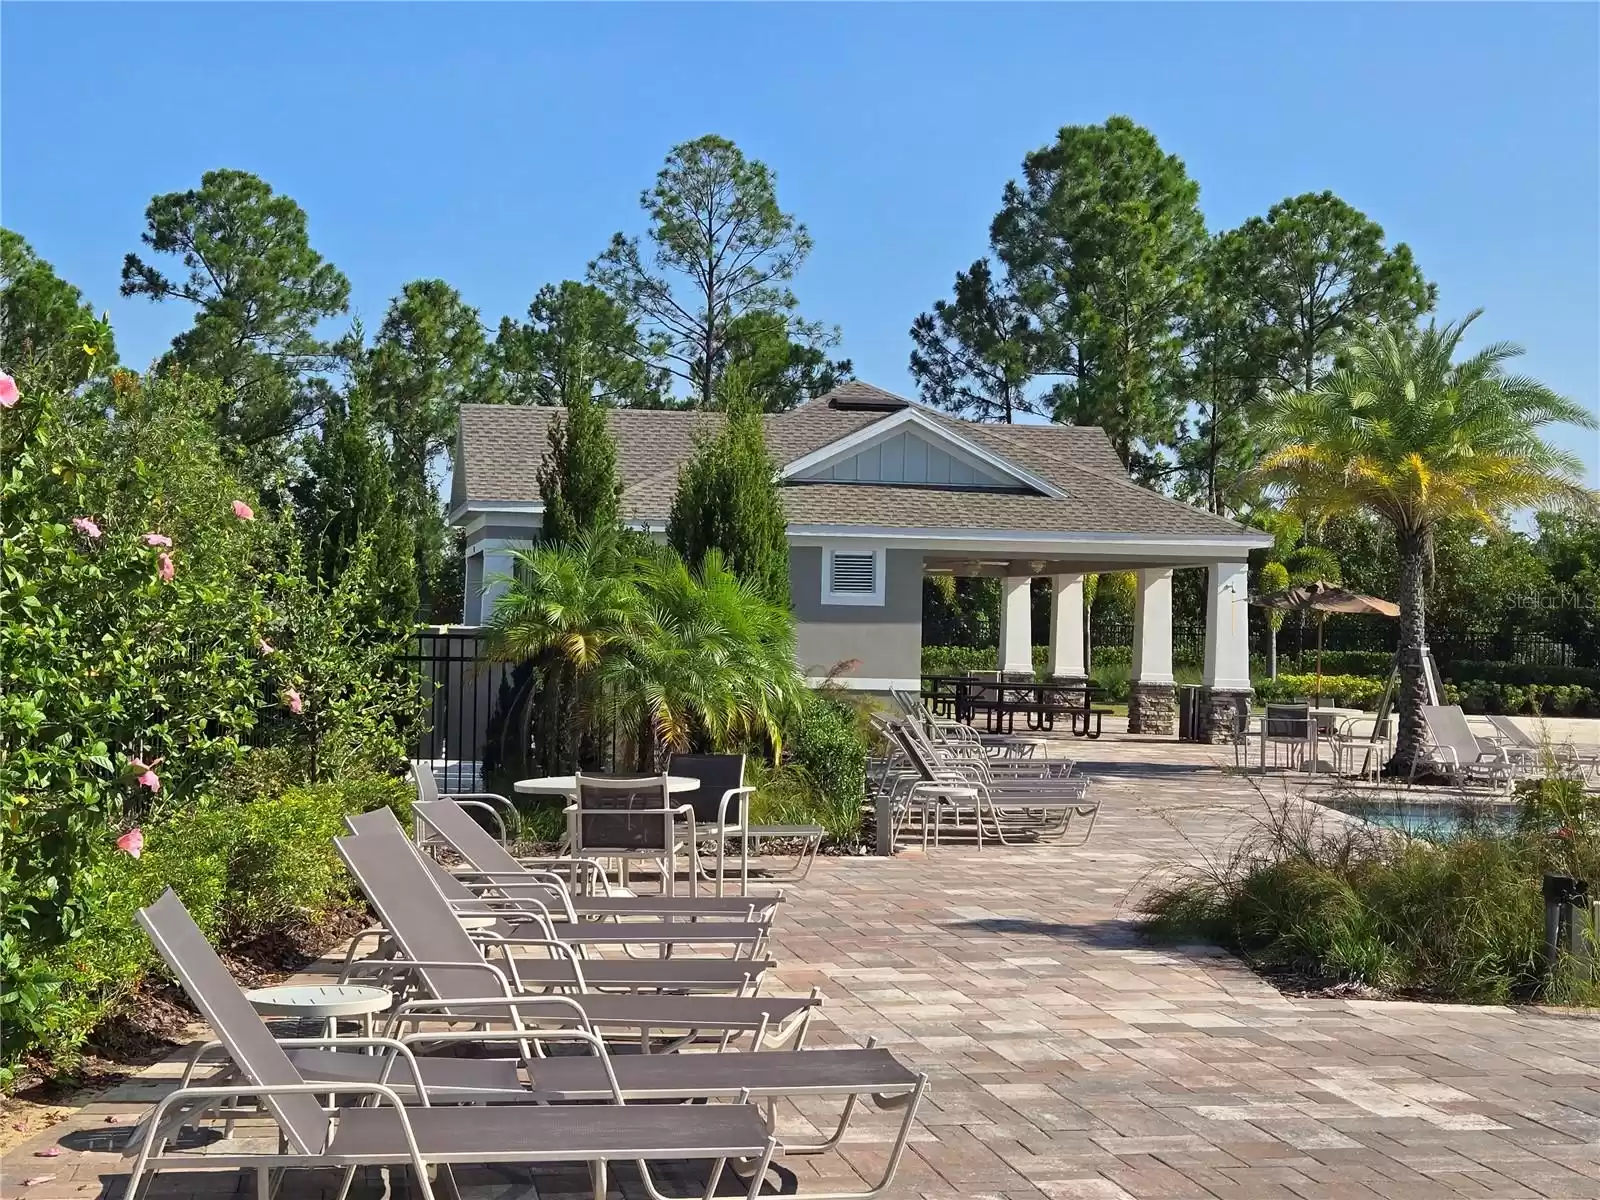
column 886, row 641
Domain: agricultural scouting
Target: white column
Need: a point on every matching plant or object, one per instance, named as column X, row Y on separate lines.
column 1066, row 627
column 495, row 563
column 1152, row 626
column 1227, row 627
column 1016, row 626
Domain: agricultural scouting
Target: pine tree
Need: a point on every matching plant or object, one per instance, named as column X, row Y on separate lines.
column 728, row 500
column 347, row 495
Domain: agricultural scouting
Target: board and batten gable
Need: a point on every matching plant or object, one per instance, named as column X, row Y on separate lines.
column 907, row 457
column 883, row 639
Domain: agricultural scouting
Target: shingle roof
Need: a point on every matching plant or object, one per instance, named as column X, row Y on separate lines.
column 500, row 448
column 1097, row 508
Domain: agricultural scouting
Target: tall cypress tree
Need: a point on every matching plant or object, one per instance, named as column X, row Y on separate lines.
column 578, row 479
column 728, row 498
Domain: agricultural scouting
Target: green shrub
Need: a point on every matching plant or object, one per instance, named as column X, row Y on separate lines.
column 241, row 870
column 823, row 780
column 1458, row 919
column 1350, row 691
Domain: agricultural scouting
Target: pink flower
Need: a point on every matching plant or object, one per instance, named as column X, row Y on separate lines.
column 8, row 391
column 243, row 511
column 164, row 567
column 267, row 647
column 86, row 527
column 292, row 701
column 132, row 842
column 157, row 539
column 144, row 774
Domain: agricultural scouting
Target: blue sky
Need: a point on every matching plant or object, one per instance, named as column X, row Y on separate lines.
column 499, row 146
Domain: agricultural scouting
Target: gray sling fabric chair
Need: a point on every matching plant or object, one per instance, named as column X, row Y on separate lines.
column 341, row 1065
column 500, row 810
column 722, row 811
column 543, row 909
column 452, row 977
column 390, row 1133
column 406, row 887
column 1459, row 754
column 491, row 864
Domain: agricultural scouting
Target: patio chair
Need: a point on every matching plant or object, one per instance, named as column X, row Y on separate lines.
column 631, row 818
column 1529, row 752
column 1459, row 754
column 723, row 795
column 1291, row 728
column 491, row 865
column 391, row 1133
column 386, row 876
column 544, row 908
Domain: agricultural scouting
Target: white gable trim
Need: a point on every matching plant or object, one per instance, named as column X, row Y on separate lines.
column 934, row 432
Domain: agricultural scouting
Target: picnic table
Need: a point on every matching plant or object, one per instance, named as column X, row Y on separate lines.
column 1000, row 702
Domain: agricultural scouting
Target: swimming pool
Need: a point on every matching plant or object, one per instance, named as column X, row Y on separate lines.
column 1437, row 820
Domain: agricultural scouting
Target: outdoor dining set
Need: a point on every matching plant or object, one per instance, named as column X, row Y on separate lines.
column 521, row 1011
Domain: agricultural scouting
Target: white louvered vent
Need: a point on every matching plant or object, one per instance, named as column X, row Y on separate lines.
column 853, row 574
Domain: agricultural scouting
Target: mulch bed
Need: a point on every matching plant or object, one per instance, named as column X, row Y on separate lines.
column 158, row 1018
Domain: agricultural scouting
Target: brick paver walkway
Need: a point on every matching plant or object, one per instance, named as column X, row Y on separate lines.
column 1070, row 1060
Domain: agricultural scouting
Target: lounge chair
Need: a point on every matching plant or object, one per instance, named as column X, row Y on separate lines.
column 381, row 871
column 1459, row 754
column 490, row 864
column 1529, row 752
column 544, row 909
column 500, row 810
column 1041, row 807
column 765, row 1075
column 452, row 976
column 391, row 1133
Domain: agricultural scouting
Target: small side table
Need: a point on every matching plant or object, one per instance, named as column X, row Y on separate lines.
column 325, row 1002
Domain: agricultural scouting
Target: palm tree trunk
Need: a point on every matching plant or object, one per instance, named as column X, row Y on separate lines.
column 1412, row 550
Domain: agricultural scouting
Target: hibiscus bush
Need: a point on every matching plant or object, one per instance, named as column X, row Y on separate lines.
column 155, row 633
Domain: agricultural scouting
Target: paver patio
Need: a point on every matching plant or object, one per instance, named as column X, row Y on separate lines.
column 1071, row 1060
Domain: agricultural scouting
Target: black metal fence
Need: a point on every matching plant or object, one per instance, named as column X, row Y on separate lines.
column 467, row 697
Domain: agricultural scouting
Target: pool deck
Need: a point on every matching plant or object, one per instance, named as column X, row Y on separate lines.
column 1072, row 1060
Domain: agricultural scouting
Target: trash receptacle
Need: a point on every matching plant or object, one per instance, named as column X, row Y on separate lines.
column 1188, row 713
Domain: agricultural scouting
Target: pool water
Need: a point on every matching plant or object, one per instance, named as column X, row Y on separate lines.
column 1437, row 820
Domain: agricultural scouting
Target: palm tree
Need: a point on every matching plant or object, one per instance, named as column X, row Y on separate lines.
column 625, row 628
column 565, row 609
column 1406, row 433
column 709, row 660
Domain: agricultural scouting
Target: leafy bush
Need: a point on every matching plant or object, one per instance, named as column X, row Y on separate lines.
column 823, row 780
column 1350, row 691
column 1460, row 918
column 1560, row 700
column 242, row 870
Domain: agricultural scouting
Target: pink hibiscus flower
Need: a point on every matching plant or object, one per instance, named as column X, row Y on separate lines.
column 164, row 567
column 243, row 511
column 144, row 774
column 157, row 539
column 132, row 842
column 292, row 701
column 86, row 527
column 267, row 647
column 8, row 391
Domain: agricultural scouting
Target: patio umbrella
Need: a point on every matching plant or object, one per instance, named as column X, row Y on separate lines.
column 1322, row 598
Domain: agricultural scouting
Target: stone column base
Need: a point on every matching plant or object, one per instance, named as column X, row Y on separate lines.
column 1074, row 699
column 1222, row 710
column 1152, row 708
